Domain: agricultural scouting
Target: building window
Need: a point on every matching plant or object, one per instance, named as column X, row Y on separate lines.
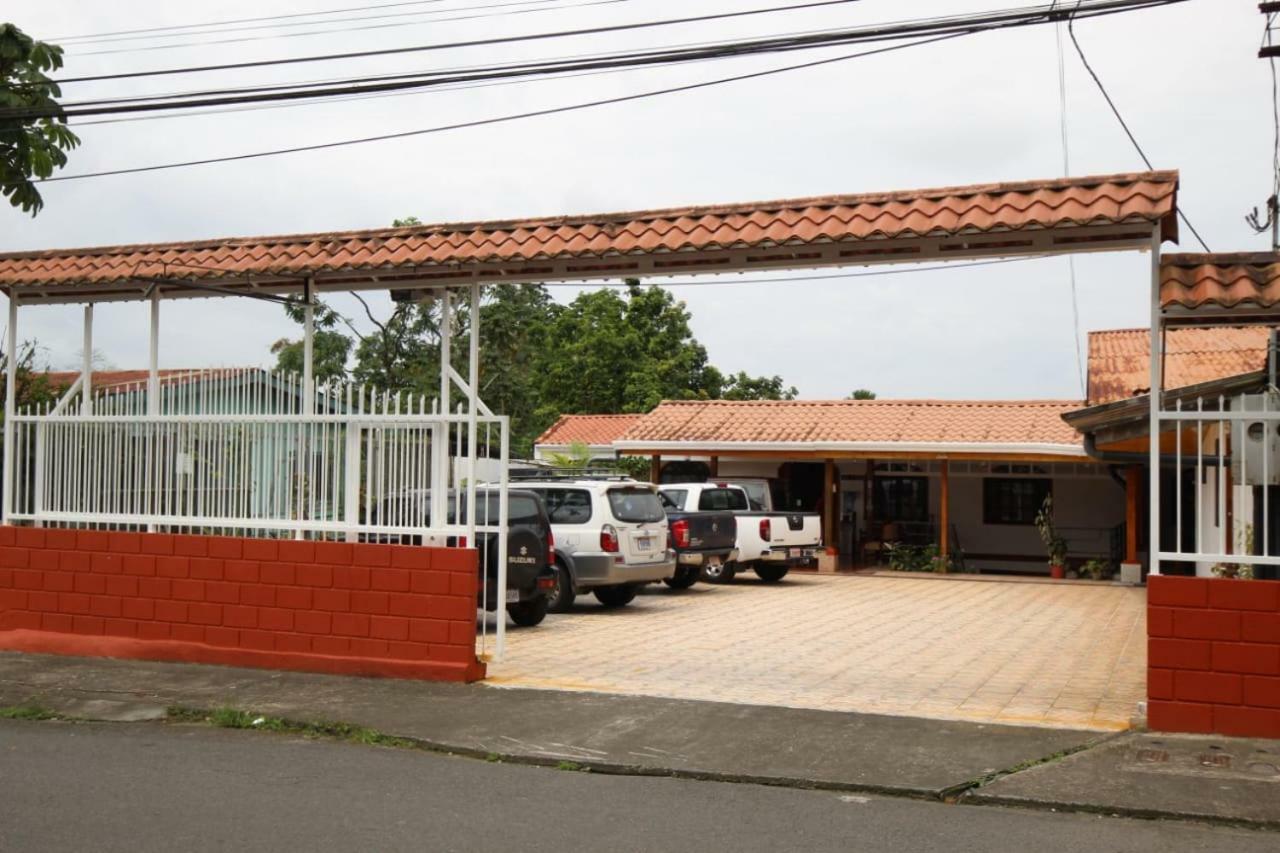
column 902, row 498
column 1013, row 500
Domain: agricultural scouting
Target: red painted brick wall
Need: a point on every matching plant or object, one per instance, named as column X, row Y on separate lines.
column 316, row 606
column 1213, row 656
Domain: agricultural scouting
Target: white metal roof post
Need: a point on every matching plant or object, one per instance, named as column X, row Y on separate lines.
column 10, row 402
column 86, row 362
column 1157, row 388
column 308, row 346
column 153, row 356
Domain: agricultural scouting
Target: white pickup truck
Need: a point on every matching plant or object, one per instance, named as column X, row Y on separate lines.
column 768, row 542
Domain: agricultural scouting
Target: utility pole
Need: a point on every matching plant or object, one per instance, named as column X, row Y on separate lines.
column 1269, row 52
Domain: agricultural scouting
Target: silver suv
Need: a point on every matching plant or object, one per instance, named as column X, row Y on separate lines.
column 610, row 537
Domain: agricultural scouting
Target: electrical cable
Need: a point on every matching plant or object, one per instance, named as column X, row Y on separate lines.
column 282, row 21
column 1017, row 18
column 1066, row 171
column 712, row 282
column 350, row 29
column 613, row 28
column 569, row 107
column 224, row 22
column 499, row 119
column 1123, row 124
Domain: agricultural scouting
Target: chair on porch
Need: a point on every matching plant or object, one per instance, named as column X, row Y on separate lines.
column 877, row 547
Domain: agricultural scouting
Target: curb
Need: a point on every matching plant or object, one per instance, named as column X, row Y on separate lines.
column 967, row 793
column 979, row 799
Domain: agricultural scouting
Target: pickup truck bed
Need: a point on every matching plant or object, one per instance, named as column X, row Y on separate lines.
column 699, row 539
column 768, row 541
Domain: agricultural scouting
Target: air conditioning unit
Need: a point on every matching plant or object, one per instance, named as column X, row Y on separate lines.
column 1255, row 442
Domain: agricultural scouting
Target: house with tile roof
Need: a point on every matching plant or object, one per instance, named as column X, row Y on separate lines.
column 967, row 475
column 1206, row 498
column 596, row 433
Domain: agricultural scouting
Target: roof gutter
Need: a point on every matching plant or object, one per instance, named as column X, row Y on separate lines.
column 1122, row 457
column 687, row 448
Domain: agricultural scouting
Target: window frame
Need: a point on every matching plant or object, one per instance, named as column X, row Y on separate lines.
column 991, row 512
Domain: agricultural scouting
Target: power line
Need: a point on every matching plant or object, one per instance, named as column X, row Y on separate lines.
column 1066, row 171
column 350, row 29
column 280, row 21
column 1096, row 9
column 500, row 119
column 710, row 282
column 281, row 92
column 614, row 28
column 455, row 87
column 223, row 22
column 1116, row 112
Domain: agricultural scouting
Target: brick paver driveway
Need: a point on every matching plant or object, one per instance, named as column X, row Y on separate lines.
column 1025, row 653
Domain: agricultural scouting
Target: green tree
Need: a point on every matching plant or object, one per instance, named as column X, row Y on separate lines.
column 515, row 323
column 615, row 354
column 741, row 386
column 32, row 386
column 29, row 147
column 331, row 348
column 862, row 394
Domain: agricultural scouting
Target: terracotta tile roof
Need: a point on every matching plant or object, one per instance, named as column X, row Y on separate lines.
column 1120, row 359
column 1144, row 198
column 1197, row 281
column 588, row 429
column 832, row 423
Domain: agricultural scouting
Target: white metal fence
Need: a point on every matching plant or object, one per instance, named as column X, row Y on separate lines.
column 1221, row 461
column 245, row 453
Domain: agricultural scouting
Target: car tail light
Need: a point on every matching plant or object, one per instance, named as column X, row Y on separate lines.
column 766, row 530
column 680, row 533
column 551, row 546
column 608, row 539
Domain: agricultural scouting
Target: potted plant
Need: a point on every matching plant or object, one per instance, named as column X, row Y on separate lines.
column 1098, row 570
column 1054, row 544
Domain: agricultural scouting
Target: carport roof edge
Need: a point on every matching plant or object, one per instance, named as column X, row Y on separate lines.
column 1055, row 215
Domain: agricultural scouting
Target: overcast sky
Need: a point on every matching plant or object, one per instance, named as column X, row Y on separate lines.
column 974, row 110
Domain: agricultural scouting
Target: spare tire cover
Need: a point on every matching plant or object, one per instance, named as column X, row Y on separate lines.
column 525, row 557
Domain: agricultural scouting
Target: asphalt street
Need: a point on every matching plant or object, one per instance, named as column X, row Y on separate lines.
column 164, row 787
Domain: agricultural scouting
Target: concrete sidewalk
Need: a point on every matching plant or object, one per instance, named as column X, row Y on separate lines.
column 730, row 742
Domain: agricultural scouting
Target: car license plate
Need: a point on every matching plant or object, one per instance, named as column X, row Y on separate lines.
column 795, row 553
column 513, row 596
column 644, row 543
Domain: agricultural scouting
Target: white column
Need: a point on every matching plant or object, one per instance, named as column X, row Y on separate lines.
column 443, row 462
column 153, row 363
column 1157, row 380
column 308, row 349
column 10, row 400
column 473, row 395
column 446, row 346
column 86, row 365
